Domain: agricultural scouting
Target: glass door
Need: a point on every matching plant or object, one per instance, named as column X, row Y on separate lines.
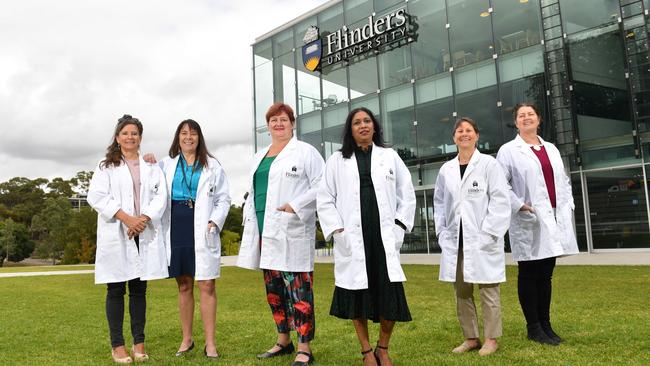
column 617, row 208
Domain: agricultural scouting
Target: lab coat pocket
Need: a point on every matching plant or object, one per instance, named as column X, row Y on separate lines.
column 398, row 233
column 341, row 248
column 489, row 243
column 527, row 218
column 292, row 226
column 211, row 236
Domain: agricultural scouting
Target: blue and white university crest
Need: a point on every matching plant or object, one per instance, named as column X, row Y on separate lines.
column 312, row 50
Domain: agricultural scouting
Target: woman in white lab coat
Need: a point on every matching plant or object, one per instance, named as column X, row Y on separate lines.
column 366, row 202
column 129, row 196
column 197, row 206
column 471, row 212
column 280, row 231
column 542, row 218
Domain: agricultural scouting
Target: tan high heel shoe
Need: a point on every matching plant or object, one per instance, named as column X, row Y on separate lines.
column 140, row 357
column 122, row 360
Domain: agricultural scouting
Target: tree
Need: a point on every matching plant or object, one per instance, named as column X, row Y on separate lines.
column 59, row 187
column 81, row 182
column 234, row 220
column 14, row 241
column 51, row 226
column 82, row 240
column 229, row 242
column 22, row 198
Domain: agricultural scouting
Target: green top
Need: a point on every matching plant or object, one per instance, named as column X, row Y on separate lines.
column 260, row 186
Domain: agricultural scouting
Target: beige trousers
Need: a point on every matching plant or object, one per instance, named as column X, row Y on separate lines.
column 466, row 310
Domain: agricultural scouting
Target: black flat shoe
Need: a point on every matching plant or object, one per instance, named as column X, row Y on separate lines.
column 303, row 363
column 284, row 350
column 211, row 358
column 181, row 353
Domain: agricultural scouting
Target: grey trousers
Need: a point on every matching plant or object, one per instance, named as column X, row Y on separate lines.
column 466, row 309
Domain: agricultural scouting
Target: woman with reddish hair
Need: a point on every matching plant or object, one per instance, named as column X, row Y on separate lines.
column 280, row 230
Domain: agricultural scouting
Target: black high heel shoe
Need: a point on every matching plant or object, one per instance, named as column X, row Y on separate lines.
column 377, row 348
column 284, row 350
column 365, row 353
column 183, row 352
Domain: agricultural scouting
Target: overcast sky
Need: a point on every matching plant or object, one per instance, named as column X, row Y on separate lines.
column 70, row 68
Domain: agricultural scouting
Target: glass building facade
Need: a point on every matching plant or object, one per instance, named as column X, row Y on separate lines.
column 584, row 63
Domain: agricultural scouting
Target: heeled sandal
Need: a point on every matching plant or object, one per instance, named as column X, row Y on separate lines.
column 365, row 353
column 377, row 348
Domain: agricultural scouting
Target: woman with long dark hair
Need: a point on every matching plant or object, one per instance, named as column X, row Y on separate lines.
column 130, row 198
column 366, row 202
column 198, row 203
column 541, row 227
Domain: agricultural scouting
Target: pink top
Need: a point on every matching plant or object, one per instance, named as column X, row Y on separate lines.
column 134, row 169
column 547, row 170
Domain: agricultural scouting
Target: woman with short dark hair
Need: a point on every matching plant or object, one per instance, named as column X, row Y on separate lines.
column 471, row 214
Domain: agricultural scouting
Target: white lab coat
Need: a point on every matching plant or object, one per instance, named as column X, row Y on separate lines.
column 212, row 204
column 288, row 239
column 117, row 258
column 339, row 208
column 542, row 234
column 480, row 200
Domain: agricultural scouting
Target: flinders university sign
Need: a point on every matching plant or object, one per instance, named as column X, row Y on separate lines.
column 347, row 45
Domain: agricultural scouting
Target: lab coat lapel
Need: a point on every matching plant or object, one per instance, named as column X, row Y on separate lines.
column 525, row 149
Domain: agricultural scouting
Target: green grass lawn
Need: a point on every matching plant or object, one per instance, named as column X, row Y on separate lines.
column 74, row 267
column 602, row 312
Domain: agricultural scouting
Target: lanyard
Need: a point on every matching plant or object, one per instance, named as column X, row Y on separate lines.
column 188, row 185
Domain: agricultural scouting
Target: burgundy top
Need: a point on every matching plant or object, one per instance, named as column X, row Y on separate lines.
column 547, row 170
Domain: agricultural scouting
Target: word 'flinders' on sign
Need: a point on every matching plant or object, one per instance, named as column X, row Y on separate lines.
column 395, row 29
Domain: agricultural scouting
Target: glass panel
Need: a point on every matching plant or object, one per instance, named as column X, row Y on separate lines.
column 430, row 171
column 416, row 240
column 617, row 208
column 335, row 87
column 470, row 31
column 579, row 213
column 481, row 106
column 308, row 88
column 431, row 226
column 475, row 77
column 383, row 4
column 357, row 9
column 283, row 42
column 263, row 91
column 333, row 122
column 363, row 77
column 578, row 16
column 371, row 102
column 309, row 130
column 399, row 132
column 395, row 67
column 262, row 52
column 519, row 64
column 434, row 88
column 530, row 89
column 601, row 98
column 431, row 51
column 516, row 24
column 331, row 19
column 262, row 138
column 285, row 79
column 434, row 129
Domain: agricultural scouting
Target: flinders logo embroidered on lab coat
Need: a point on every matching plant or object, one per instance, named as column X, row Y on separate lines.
column 293, row 173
